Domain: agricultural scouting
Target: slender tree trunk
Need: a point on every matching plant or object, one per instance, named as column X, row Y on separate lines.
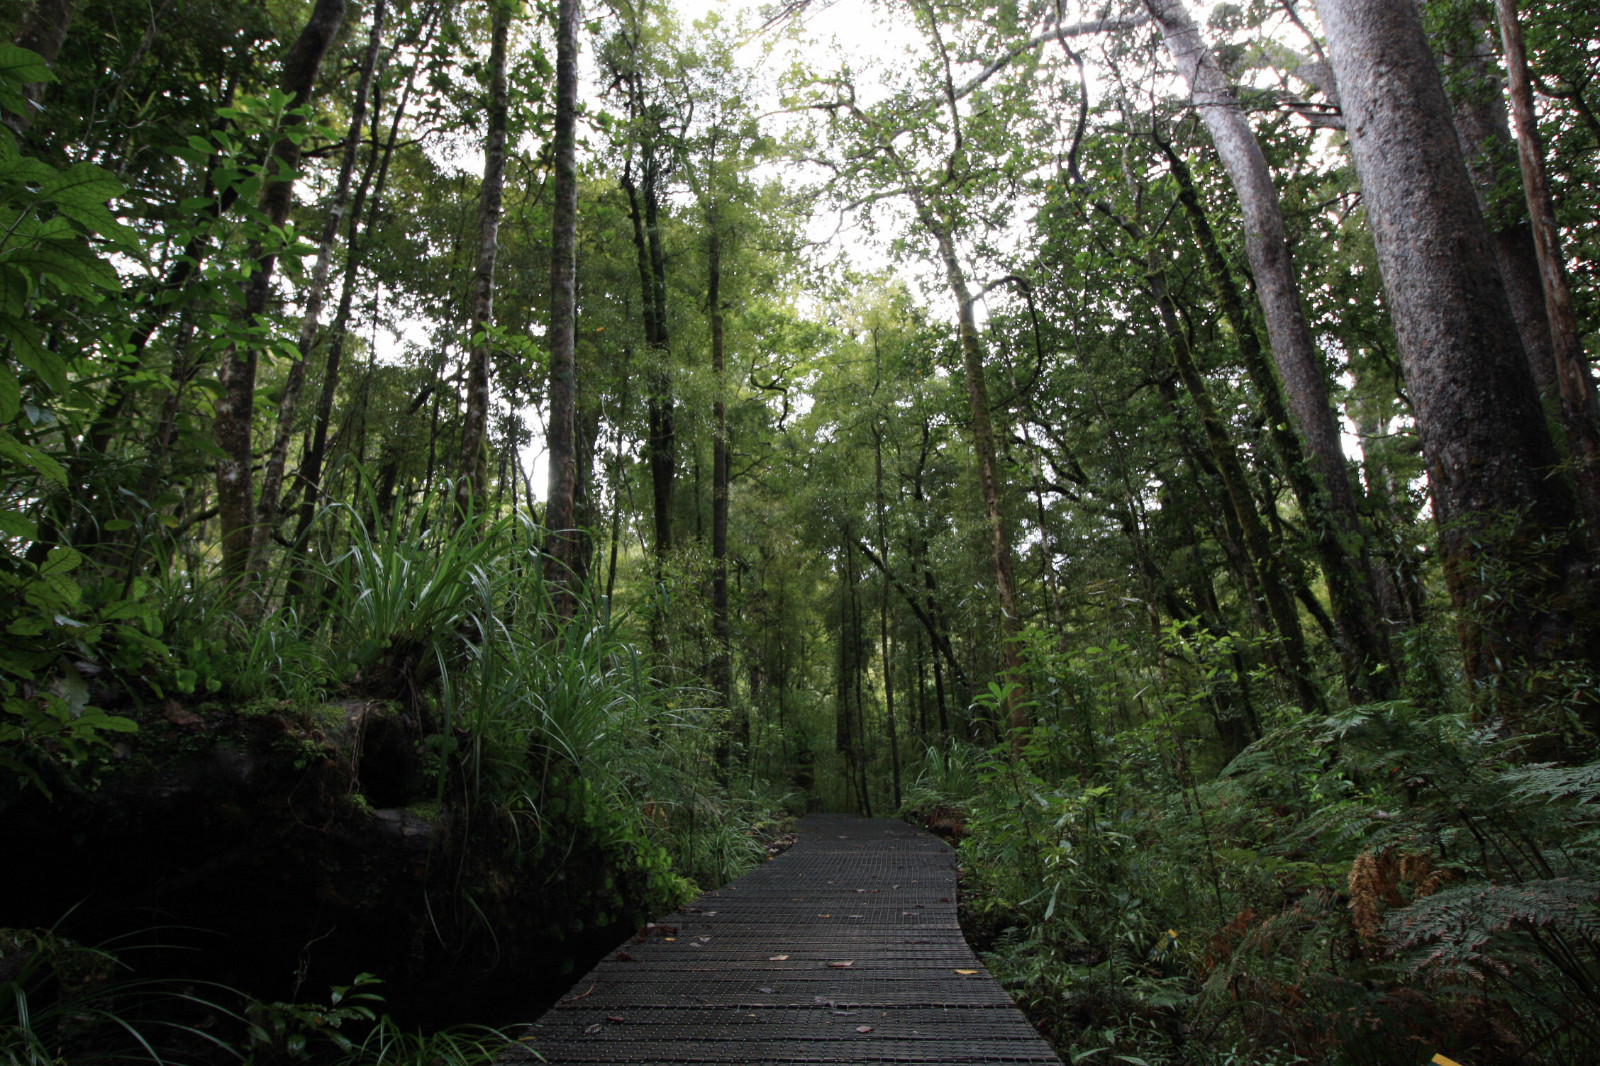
column 661, row 439
column 721, row 629
column 1274, row 589
column 858, row 656
column 43, row 30
column 1490, row 458
column 313, row 461
column 988, row 465
column 615, row 476
column 885, row 651
column 472, row 462
column 237, row 373
column 311, row 319
column 1330, row 506
column 1580, row 413
column 561, row 503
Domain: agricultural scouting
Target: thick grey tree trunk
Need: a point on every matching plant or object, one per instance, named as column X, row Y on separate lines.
column 1502, row 513
column 1580, row 413
column 1330, row 505
column 1479, row 109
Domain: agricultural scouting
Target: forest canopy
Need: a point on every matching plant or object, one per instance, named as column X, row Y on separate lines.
column 1152, row 442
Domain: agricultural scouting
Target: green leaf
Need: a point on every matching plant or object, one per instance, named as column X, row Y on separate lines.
column 19, row 67
column 10, row 395
column 27, row 350
column 13, row 524
column 33, row 458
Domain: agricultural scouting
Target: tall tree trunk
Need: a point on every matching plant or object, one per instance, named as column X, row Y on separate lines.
column 1269, row 572
column 1580, row 413
column 314, row 458
column 237, row 373
column 988, row 463
column 1479, row 111
column 661, row 438
column 1331, row 506
column 43, row 30
column 311, row 319
column 885, row 651
column 1490, row 458
column 472, row 462
column 721, row 629
column 561, row 434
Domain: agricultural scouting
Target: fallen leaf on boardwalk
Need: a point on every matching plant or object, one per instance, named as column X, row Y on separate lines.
column 846, row 964
column 855, row 916
column 669, row 939
column 623, row 956
column 824, row 916
column 696, row 944
column 863, row 1028
column 615, row 1018
column 595, row 1028
column 968, row 973
column 703, row 939
column 777, row 958
column 711, row 914
column 859, row 891
column 765, row 991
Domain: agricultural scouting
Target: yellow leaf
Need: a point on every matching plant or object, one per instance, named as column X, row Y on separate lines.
column 777, row 958
column 967, row 973
column 1440, row 1060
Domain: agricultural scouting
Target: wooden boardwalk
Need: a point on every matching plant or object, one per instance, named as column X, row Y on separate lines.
column 844, row 949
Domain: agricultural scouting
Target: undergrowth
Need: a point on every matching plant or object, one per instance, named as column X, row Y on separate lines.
column 1375, row 886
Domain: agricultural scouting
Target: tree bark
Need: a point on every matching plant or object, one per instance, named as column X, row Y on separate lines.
column 1328, row 497
column 1479, row 111
column 988, row 461
column 1580, row 413
column 1502, row 516
column 561, row 505
column 237, row 373
column 472, row 461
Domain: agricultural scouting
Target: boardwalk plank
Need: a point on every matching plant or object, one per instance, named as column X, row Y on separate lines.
column 755, row 972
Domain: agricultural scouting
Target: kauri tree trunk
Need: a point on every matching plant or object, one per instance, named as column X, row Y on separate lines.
column 1580, row 413
column 1328, row 499
column 1503, row 515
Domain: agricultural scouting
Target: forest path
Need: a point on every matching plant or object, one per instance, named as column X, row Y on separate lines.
column 844, row 949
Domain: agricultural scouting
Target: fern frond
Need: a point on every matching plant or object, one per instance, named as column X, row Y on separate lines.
column 1470, row 930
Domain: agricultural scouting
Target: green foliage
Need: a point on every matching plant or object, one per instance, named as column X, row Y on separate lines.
column 62, row 1002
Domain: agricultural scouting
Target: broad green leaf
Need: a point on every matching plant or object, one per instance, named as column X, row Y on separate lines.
column 31, row 457
column 27, row 350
